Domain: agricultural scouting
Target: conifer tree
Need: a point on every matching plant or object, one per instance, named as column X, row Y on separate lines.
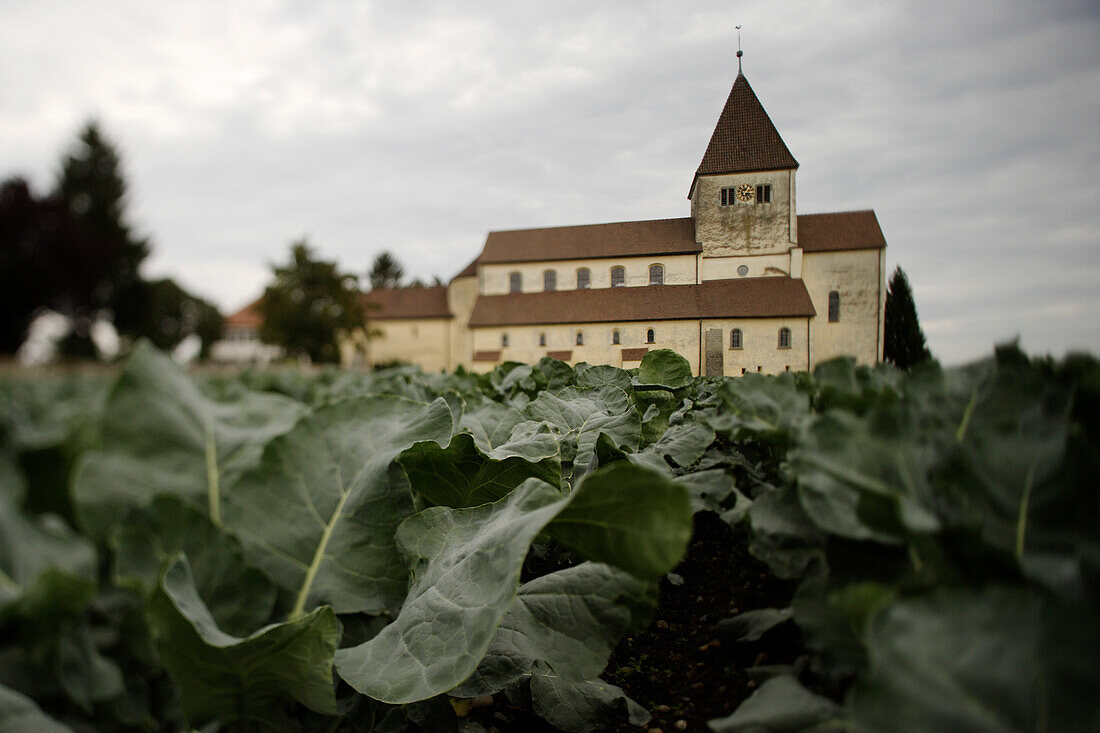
column 99, row 271
column 904, row 343
column 386, row 272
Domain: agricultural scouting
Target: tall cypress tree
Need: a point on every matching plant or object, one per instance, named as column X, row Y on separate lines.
column 101, row 269
column 904, row 343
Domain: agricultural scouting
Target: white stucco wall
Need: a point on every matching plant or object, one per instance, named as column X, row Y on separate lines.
column 760, row 350
column 461, row 297
column 725, row 268
column 679, row 270
column 425, row 342
column 523, row 341
column 858, row 276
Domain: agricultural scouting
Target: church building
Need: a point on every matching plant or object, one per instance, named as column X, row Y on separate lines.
column 743, row 284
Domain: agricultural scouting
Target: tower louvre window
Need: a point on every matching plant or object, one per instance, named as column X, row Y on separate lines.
column 763, row 194
column 727, row 197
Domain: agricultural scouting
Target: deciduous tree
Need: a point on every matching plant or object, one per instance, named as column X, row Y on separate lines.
column 308, row 305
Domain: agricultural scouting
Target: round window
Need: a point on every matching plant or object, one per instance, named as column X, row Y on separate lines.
column 743, row 270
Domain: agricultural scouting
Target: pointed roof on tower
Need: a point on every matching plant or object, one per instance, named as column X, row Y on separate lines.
column 744, row 139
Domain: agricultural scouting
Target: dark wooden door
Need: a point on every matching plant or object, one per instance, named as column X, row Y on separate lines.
column 713, row 351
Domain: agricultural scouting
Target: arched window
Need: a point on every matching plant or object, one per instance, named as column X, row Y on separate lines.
column 504, row 339
column 515, row 283
column 618, row 276
column 542, row 339
column 650, row 337
column 580, row 339
column 784, row 338
column 834, row 306
column 735, row 338
column 549, row 280
column 615, row 338
column 584, row 277
column 656, row 275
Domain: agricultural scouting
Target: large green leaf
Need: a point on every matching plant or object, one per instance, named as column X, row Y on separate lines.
column 598, row 375
column 462, row 475
column 239, row 681
column 465, row 570
column 997, row 659
column 866, row 479
column 466, row 563
column 567, row 623
column 684, row 444
column 664, row 368
column 580, row 416
column 761, row 407
column 781, row 705
column 240, row 598
column 629, row 517
column 163, row 436
column 20, row 714
column 319, row 513
column 29, row 548
column 583, row 707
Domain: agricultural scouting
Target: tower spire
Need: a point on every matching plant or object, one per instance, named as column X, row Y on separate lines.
column 740, row 53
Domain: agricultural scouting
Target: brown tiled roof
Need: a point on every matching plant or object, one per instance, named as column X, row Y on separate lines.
column 842, row 230
column 247, row 317
column 619, row 239
column 759, row 297
column 416, row 302
column 468, row 271
column 635, row 354
column 744, row 138
column 486, row 356
column 560, row 355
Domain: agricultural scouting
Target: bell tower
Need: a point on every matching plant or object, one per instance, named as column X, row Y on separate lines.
column 743, row 193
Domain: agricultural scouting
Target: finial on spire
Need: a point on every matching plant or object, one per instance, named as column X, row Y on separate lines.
column 740, row 53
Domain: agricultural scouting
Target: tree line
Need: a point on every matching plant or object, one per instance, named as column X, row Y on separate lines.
column 74, row 252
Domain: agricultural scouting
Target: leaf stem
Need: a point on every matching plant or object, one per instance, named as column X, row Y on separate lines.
column 213, row 492
column 1021, row 522
column 318, row 555
column 961, row 432
column 9, row 583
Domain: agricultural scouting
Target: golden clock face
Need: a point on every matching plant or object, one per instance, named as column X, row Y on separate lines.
column 745, row 192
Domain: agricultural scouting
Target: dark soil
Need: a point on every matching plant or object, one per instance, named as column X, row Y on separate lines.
column 678, row 668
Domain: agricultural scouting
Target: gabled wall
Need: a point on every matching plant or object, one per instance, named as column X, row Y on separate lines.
column 857, row 275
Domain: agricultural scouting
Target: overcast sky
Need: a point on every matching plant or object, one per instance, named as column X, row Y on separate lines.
column 971, row 128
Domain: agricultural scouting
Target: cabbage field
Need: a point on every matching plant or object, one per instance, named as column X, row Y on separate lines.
column 551, row 548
